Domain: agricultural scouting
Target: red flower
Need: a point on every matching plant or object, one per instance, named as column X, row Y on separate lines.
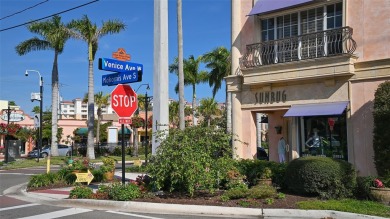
column 378, row 183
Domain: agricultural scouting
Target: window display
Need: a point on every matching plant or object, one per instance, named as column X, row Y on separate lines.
column 324, row 136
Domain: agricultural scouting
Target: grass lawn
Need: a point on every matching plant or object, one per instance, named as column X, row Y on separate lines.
column 348, row 205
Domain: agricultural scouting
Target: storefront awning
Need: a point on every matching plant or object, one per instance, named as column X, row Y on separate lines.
column 265, row 6
column 127, row 131
column 317, row 109
column 82, row 131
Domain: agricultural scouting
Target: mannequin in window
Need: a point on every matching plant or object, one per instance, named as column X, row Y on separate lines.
column 282, row 150
column 314, row 141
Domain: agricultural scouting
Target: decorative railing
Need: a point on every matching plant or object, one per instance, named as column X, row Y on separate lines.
column 308, row 46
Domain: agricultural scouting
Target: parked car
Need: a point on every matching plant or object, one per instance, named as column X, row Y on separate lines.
column 261, row 154
column 63, row 150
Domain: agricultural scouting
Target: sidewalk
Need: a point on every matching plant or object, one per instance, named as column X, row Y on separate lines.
column 59, row 196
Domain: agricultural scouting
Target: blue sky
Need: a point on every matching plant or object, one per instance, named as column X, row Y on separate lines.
column 206, row 25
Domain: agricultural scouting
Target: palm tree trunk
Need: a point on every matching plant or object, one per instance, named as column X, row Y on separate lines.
column 99, row 114
column 181, row 71
column 54, row 113
column 194, row 119
column 91, row 109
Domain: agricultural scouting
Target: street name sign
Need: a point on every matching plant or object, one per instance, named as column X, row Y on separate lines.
column 119, row 66
column 121, row 78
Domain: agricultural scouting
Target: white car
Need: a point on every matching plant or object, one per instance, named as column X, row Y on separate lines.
column 63, row 150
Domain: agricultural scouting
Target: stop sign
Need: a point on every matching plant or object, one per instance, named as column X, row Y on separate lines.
column 124, row 100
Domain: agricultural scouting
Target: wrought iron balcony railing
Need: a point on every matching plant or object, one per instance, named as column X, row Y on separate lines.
column 308, row 46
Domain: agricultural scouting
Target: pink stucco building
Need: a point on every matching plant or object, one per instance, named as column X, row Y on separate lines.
column 312, row 67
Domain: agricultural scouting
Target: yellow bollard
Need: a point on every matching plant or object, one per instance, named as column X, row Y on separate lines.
column 48, row 164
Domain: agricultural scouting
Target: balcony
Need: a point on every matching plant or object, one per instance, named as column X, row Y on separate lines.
column 334, row 42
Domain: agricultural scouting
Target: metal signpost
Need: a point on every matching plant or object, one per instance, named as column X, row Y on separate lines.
column 124, row 102
column 123, row 98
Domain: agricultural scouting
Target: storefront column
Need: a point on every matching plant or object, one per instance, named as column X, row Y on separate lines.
column 237, row 125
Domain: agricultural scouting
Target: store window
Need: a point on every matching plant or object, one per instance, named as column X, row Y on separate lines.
column 324, row 136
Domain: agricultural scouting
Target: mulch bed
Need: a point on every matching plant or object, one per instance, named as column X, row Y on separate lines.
column 289, row 202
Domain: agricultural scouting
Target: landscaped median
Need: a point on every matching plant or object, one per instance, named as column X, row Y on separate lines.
column 203, row 172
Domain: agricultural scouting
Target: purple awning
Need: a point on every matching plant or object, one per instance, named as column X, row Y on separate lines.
column 317, row 109
column 265, row 6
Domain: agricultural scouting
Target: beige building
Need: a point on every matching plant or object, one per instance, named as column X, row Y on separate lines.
column 312, row 67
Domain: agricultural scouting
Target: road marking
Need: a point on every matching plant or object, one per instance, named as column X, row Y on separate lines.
column 57, row 214
column 18, row 206
column 134, row 215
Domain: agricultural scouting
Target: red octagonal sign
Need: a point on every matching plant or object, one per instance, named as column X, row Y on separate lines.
column 124, row 100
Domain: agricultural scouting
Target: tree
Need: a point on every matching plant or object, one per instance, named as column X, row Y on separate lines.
column 192, row 76
column 100, row 100
column 180, row 64
column 85, row 30
column 208, row 108
column 218, row 61
column 137, row 122
column 54, row 37
column 36, row 109
column 381, row 142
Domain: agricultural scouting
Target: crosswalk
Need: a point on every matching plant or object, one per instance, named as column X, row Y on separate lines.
column 38, row 211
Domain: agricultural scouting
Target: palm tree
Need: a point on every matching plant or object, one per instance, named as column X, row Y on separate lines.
column 85, row 30
column 54, row 37
column 100, row 100
column 174, row 113
column 208, row 108
column 219, row 62
column 36, row 109
column 180, row 64
column 192, row 76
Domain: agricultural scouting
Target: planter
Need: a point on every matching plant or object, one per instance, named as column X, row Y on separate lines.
column 109, row 176
column 380, row 195
column 267, row 182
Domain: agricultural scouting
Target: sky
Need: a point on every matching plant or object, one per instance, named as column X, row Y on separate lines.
column 206, row 25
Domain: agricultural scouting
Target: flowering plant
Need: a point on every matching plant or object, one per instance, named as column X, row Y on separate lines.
column 378, row 183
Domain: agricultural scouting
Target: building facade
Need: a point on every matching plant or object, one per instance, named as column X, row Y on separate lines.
column 312, row 67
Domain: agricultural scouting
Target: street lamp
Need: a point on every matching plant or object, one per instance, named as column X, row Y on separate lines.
column 147, row 101
column 40, row 109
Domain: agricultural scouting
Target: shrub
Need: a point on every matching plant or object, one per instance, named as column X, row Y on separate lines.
column 43, row 180
column 193, row 158
column 236, row 193
column 127, row 192
column 70, row 178
column 108, row 165
column 381, row 115
column 97, row 175
column 81, row 192
column 254, row 169
column 262, row 191
column 322, row 176
column 363, row 184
